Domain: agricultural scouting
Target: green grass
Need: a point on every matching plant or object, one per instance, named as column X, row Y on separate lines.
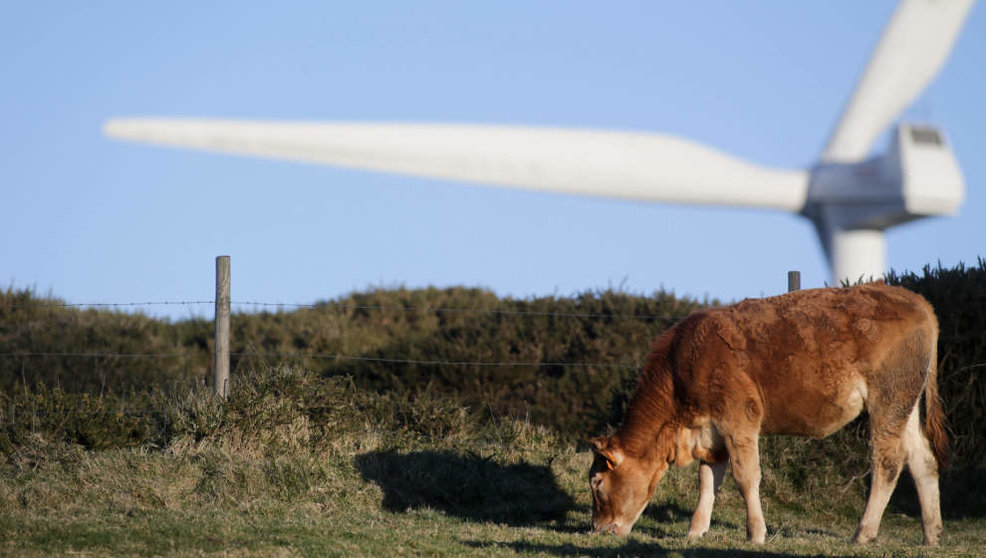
column 510, row 488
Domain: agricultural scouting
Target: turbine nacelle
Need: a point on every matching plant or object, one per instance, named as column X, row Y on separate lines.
column 917, row 177
column 851, row 204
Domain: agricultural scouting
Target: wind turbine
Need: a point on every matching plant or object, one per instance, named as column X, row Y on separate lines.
column 850, row 197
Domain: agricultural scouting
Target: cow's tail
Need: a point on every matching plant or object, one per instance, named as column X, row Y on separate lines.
column 934, row 417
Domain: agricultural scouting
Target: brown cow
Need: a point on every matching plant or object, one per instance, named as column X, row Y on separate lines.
column 805, row 363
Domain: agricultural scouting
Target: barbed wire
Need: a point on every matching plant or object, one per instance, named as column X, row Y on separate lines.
column 99, row 355
column 341, row 306
column 54, row 304
column 325, row 356
column 462, row 310
column 434, row 362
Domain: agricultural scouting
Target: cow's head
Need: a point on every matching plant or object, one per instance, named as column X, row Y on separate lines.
column 621, row 484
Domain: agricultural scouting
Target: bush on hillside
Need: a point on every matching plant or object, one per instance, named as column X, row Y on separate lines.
column 552, row 360
column 44, row 341
column 388, row 357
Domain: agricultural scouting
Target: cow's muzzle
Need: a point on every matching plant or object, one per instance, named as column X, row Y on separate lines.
column 610, row 528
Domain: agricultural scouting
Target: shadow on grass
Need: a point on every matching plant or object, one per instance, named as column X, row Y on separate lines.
column 632, row 547
column 470, row 487
column 666, row 520
column 666, row 512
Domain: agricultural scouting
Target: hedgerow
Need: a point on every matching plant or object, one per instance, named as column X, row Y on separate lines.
column 442, row 364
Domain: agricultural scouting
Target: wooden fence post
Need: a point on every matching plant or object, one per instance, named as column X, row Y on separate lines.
column 793, row 281
column 220, row 384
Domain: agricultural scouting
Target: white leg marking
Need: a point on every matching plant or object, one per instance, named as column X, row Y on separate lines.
column 924, row 468
column 710, row 477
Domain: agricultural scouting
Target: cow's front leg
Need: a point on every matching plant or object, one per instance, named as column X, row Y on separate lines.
column 744, row 452
column 710, row 476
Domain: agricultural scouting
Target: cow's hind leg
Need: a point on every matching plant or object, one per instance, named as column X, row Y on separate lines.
column 710, row 476
column 892, row 400
column 924, row 468
column 888, row 459
column 888, row 422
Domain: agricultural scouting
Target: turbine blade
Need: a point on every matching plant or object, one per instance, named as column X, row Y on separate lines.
column 635, row 166
column 914, row 46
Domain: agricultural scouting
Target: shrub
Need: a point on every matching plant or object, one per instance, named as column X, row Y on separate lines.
column 416, row 365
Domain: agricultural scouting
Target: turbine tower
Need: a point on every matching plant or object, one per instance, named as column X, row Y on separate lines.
column 850, row 196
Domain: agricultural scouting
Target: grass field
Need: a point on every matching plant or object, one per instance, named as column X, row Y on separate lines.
column 330, row 457
column 359, row 456
column 510, row 488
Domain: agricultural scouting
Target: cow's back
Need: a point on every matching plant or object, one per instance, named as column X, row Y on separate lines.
column 804, row 360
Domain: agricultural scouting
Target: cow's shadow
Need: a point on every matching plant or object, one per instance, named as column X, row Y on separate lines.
column 632, row 547
column 471, row 487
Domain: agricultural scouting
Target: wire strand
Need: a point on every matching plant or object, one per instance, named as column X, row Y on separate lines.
column 461, row 310
column 433, row 362
column 52, row 304
column 326, row 356
column 100, row 355
column 339, row 306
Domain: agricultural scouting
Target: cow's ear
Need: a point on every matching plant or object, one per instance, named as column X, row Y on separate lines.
column 606, row 448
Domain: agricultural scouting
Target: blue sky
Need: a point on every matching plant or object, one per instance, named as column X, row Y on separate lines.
column 90, row 219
